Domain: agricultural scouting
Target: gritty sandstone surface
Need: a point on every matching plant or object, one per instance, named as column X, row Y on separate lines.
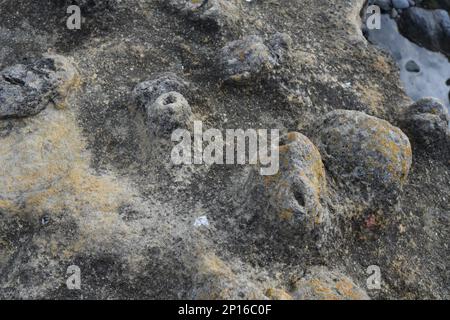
column 86, row 177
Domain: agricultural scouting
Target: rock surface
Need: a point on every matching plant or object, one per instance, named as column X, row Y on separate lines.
column 428, row 28
column 89, row 185
column 427, row 122
column 296, row 192
column 367, row 154
column 248, row 59
column 26, row 90
column 169, row 112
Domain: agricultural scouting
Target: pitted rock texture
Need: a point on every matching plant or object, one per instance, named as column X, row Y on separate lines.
column 366, row 154
column 169, row 112
column 146, row 93
column 296, row 192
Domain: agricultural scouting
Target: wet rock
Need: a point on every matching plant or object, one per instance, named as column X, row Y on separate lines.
column 248, row 59
column 169, row 112
column 368, row 155
column 385, row 5
column 320, row 283
column 296, row 192
column 146, row 93
column 26, row 90
column 426, row 122
column 412, row 66
column 219, row 13
column 428, row 28
column 400, row 4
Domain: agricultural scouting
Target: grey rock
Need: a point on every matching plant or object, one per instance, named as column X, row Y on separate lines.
column 365, row 153
column 280, row 44
column 427, row 124
column 428, row 28
column 385, row 5
column 218, row 13
column 146, row 93
column 412, row 66
column 247, row 59
column 320, row 283
column 26, row 90
column 394, row 13
column 169, row 112
column 297, row 191
column 400, row 4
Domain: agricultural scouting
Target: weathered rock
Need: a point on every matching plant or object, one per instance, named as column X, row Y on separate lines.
column 428, row 28
column 169, row 112
column 92, row 6
column 31, row 162
column 296, row 192
column 87, row 186
column 385, row 5
column 412, row 66
column 368, row 155
column 280, row 44
column 248, row 59
column 215, row 280
column 219, row 13
column 435, row 4
column 319, row 283
column 26, row 90
column 426, row 122
column 146, row 93
column 400, row 4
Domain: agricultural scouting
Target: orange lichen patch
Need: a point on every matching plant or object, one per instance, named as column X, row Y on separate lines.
column 101, row 193
column 283, row 149
column 397, row 155
column 44, row 168
column 382, row 65
column 217, row 281
column 38, row 156
column 286, row 214
column 70, row 80
column 270, row 180
column 322, row 290
column 292, row 136
column 8, row 206
column 342, row 290
column 210, row 263
column 278, row 294
column 347, row 290
column 371, row 97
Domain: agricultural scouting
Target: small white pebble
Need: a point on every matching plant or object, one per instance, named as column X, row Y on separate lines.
column 201, row 221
